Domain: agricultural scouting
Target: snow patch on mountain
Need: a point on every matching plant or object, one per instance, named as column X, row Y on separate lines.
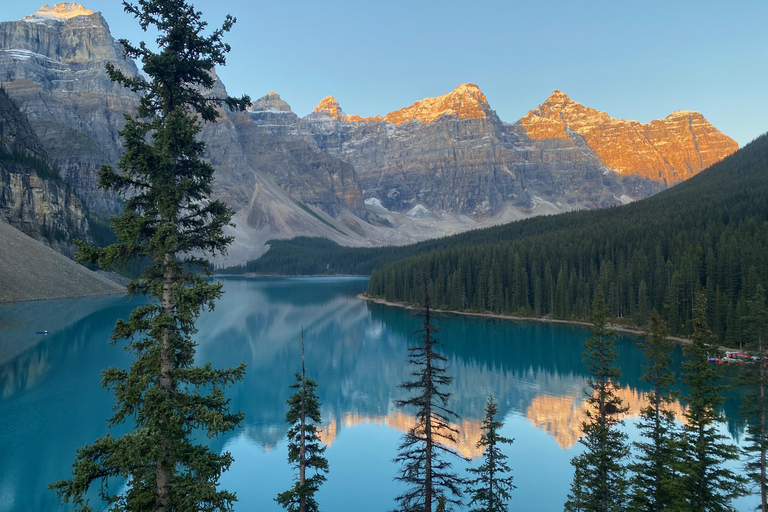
column 372, row 201
column 419, row 211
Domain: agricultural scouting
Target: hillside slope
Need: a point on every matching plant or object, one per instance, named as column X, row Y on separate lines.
column 32, row 271
column 708, row 234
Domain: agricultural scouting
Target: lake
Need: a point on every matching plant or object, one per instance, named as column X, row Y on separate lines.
column 51, row 401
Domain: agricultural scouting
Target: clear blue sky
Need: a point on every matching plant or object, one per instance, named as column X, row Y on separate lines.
column 634, row 60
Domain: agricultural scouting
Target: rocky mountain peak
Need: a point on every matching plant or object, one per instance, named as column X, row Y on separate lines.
column 270, row 103
column 558, row 98
column 665, row 150
column 330, row 106
column 466, row 101
column 61, row 11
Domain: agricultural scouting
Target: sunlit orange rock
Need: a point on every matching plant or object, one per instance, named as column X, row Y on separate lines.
column 562, row 416
column 666, row 150
column 330, row 106
column 469, row 430
column 467, row 101
column 62, row 11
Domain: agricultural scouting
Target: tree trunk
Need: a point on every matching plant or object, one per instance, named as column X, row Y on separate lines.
column 428, row 428
column 302, row 439
column 165, row 382
column 763, row 496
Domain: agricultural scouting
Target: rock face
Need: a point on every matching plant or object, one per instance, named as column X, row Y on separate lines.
column 464, row 102
column 442, row 165
column 52, row 65
column 666, row 150
column 33, row 198
column 455, row 157
column 453, row 154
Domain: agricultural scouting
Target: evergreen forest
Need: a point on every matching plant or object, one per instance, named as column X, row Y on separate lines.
column 708, row 234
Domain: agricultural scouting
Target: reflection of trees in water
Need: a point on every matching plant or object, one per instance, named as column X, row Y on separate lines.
column 25, row 371
column 356, row 352
column 62, row 350
column 52, row 402
column 20, row 321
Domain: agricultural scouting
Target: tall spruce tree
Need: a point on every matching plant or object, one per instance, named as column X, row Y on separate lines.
column 654, row 479
column 422, row 450
column 600, row 482
column 706, row 485
column 305, row 450
column 490, row 490
column 170, row 220
column 755, row 403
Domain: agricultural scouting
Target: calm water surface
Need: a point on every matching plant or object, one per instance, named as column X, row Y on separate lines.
column 51, row 401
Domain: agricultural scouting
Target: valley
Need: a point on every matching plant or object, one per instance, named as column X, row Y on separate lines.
column 441, row 166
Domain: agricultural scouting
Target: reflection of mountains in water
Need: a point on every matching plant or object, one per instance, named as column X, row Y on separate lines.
column 559, row 416
column 357, row 351
column 562, row 416
column 75, row 327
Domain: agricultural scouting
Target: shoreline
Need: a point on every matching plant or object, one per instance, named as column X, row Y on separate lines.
column 615, row 327
column 63, row 297
column 284, row 276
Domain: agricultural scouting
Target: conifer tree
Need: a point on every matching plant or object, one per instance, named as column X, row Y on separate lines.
column 423, row 447
column 706, row 485
column 490, row 490
column 600, row 482
column 755, row 403
column 170, row 220
column 654, row 479
column 305, row 450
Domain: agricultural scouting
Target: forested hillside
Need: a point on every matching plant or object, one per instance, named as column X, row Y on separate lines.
column 708, row 234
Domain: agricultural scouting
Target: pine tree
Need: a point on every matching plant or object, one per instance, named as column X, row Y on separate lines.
column 305, row 450
column 755, row 403
column 707, row 486
column 490, row 490
column 654, row 480
column 600, row 474
column 423, row 447
column 169, row 219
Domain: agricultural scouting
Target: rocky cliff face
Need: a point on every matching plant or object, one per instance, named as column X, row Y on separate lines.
column 52, row 64
column 32, row 198
column 666, row 150
column 445, row 162
column 442, row 165
column 451, row 156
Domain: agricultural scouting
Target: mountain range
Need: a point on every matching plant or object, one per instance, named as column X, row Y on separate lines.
column 440, row 166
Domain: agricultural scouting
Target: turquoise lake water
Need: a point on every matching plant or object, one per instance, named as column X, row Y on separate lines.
column 51, row 401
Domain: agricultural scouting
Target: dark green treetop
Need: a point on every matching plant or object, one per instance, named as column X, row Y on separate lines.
column 423, row 448
column 754, row 377
column 706, row 485
column 305, row 451
column 490, row 489
column 655, row 470
column 600, row 482
column 170, row 220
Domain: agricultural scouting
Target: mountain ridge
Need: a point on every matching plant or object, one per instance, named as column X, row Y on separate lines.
column 351, row 179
